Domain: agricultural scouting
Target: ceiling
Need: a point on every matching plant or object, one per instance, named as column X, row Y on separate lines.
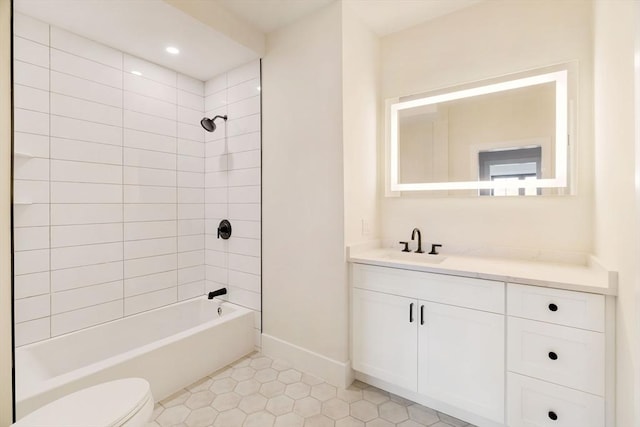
column 381, row 16
column 269, row 15
column 145, row 27
column 389, row 16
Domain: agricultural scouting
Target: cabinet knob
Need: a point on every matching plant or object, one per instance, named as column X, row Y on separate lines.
column 553, row 355
column 552, row 415
column 553, row 307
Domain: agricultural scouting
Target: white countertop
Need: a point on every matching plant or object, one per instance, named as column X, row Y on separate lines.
column 591, row 277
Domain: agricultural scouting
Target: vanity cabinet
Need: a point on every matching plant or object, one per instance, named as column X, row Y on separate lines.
column 496, row 354
column 407, row 332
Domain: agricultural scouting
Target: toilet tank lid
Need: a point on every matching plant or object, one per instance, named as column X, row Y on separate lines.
column 108, row 404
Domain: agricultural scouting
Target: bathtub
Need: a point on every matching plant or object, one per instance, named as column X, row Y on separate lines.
column 171, row 347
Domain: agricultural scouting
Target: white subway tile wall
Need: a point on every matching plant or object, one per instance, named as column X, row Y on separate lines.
column 190, row 180
column 117, row 192
column 232, row 187
column 31, row 181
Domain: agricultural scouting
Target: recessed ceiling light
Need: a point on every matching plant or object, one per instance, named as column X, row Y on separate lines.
column 172, row 50
column 136, row 73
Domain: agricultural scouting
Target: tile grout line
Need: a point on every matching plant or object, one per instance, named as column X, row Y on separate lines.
column 177, row 207
column 226, row 143
column 204, row 196
column 105, row 243
column 105, row 124
column 122, row 185
column 101, row 83
column 195, row 156
column 49, row 225
column 205, row 186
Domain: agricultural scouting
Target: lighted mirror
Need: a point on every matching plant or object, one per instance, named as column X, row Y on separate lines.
column 504, row 138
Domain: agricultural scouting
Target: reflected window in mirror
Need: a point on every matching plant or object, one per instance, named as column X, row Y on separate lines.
column 510, row 165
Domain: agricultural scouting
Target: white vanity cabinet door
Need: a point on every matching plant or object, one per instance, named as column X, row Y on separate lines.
column 384, row 337
column 535, row 403
column 461, row 358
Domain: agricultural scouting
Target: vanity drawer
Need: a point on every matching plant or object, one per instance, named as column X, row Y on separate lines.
column 479, row 294
column 577, row 309
column 559, row 354
column 535, row 403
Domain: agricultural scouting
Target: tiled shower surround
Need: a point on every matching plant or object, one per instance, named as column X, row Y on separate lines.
column 119, row 191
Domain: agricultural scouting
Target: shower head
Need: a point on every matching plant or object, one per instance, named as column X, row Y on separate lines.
column 209, row 124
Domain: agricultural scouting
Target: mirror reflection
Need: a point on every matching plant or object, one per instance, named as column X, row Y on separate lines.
column 496, row 140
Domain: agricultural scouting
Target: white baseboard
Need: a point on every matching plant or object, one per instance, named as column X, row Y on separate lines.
column 332, row 371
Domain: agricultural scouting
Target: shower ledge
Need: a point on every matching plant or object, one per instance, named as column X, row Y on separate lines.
column 588, row 276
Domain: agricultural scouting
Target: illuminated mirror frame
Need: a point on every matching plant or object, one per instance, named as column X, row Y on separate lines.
column 561, row 135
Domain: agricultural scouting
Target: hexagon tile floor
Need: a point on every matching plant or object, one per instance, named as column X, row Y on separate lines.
column 257, row 391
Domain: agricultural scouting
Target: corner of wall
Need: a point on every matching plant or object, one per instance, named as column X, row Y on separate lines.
column 361, row 105
column 616, row 227
column 304, row 268
column 6, row 297
column 219, row 18
column 233, row 189
column 332, row 371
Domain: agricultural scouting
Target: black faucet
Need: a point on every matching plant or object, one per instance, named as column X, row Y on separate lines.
column 221, row 291
column 413, row 235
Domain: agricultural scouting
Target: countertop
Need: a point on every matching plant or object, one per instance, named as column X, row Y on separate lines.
column 589, row 277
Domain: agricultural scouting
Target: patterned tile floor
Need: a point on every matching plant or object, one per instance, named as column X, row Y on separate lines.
column 257, row 391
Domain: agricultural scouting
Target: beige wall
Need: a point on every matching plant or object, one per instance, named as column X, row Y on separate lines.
column 6, row 345
column 615, row 206
column 304, row 271
column 498, row 38
column 419, row 149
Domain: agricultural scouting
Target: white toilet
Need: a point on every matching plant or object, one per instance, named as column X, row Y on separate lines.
column 121, row 403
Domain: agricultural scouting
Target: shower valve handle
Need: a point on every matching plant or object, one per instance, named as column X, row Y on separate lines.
column 224, row 229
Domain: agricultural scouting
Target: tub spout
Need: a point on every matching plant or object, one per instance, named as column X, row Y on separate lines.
column 221, row 291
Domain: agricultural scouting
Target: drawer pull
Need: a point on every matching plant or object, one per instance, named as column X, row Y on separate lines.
column 553, row 355
column 552, row 415
column 411, row 313
column 553, row 307
column 422, row 314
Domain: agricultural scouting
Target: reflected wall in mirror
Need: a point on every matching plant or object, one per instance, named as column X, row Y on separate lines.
column 495, row 139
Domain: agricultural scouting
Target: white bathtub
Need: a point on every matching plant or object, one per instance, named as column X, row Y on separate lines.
column 171, row 347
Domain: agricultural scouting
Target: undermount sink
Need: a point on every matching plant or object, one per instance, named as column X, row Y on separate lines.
column 424, row 258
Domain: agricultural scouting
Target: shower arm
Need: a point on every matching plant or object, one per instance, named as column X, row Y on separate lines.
column 210, row 124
